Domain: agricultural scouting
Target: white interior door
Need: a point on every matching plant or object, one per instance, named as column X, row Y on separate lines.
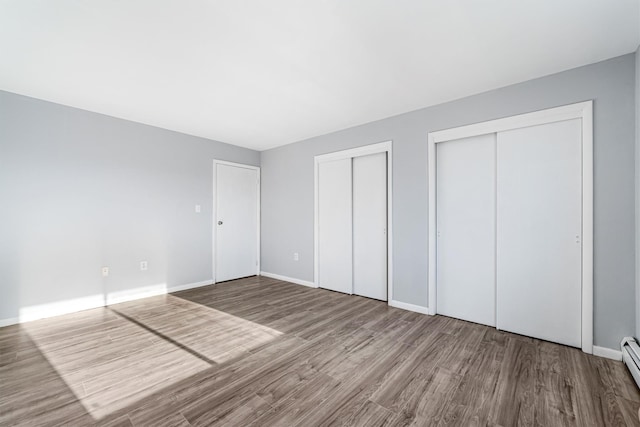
column 539, row 209
column 465, row 215
column 236, row 251
column 335, row 257
column 370, row 226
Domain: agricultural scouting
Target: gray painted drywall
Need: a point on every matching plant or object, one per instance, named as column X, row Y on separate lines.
column 81, row 190
column 287, row 184
column 637, row 157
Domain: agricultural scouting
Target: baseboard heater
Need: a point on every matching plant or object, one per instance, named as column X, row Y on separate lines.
column 631, row 357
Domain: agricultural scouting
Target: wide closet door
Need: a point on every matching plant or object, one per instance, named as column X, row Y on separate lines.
column 466, row 229
column 509, row 230
column 352, row 225
column 539, row 232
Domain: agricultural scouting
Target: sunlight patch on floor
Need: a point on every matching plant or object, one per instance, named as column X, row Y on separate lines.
column 112, row 357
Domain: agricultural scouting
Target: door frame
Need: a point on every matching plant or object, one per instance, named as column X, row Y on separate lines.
column 581, row 110
column 381, row 147
column 217, row 162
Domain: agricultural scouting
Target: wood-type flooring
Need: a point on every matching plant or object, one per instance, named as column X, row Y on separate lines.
column 262, row 352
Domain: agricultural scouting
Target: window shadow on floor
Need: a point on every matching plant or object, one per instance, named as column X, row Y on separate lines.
column 105, row 361
column 143, row 359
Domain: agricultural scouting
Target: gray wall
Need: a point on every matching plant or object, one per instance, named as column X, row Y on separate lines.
column 637, row 157
column 81, row 190
column 287, row 184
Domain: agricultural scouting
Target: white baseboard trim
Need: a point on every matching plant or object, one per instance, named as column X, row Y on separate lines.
column 190, row 286
column 288, row 279
column 58, row 308
column 133, row 294
column 410, row 307
column 8, row 322
column 608, row 353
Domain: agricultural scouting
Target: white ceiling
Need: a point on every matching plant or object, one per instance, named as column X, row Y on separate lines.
column 260, row 73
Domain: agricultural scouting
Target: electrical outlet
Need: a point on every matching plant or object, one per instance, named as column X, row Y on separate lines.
column 105, row 271
column 296, row 256
column 197, row 208
column 143, row 265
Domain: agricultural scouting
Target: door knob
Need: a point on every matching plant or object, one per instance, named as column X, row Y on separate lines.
column 219, row 222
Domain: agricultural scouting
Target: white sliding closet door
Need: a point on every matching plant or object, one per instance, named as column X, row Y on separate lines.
column 335, row 258
column 539, row 227
column 466, row 228
column 370, row 226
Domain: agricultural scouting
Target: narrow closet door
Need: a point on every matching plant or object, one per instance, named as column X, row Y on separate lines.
column 539, row 208
column 466, row 229
column 370, row 226
column 335, row 260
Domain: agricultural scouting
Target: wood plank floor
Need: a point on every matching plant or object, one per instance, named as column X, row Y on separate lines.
column 261, row 352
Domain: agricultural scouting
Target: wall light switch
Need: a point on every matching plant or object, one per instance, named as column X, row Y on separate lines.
column 105, row 271
column 197, row 208
column 143, row 265
column 296, row 257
